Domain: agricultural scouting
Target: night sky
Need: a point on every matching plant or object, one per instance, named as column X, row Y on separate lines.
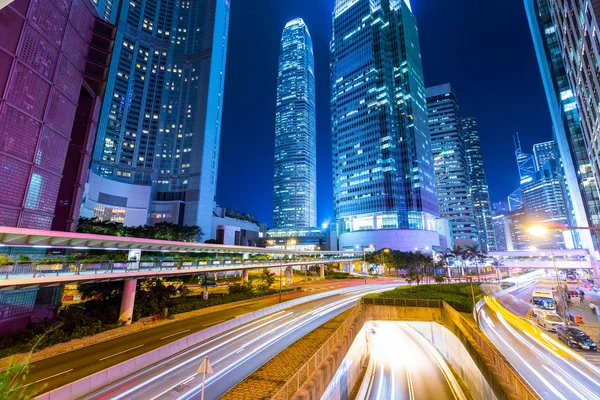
column 482, row 47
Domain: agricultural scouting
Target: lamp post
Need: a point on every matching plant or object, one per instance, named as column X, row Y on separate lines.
column 383, row 259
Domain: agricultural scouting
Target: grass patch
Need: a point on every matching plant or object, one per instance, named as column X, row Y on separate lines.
column 457, row 295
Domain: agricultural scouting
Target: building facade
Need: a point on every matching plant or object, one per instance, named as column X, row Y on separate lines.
column 295, row 173
column 480, row 194
column 384, row 182
column 563, row 103
column 449, row 145
column 156, row 155
column 54, row 58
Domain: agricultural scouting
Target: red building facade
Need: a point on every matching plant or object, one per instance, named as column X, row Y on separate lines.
column 54, row 57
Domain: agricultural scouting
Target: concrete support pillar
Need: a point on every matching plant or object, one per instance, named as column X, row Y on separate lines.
column 508, row 272
column 449, row 269
column 499, row 273
column 322, row 270
column 244, row 276
column 290, row 275
column 137, row 255
column 127, row 301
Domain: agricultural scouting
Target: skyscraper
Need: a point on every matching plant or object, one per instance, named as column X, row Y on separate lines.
column 556, row 59
column 480, row 194
column 295, row 183
column 53, row 62
column 384, row 183
column 156, row 155
column 448, row 145
column 544, row 198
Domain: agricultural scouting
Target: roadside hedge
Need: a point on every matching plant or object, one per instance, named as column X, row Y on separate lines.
column 457, row 295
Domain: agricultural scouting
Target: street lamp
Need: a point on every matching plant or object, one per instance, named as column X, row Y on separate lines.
column 383, row 259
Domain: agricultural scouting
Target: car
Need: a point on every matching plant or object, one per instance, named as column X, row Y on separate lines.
column 574, row 337
column 548, row 320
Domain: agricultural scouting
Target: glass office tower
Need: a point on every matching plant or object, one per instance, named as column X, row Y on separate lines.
column 156, row 154
column 577, row 160
column 480, row 194
column 384, row 183
column 448, row 145
column 295, row 175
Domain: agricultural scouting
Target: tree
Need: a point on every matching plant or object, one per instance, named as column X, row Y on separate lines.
column 439, row 278
column 100, row 290
column 268, row 277
column 474, row 253
column 161, row 230
column 13, row 385
column 458, row 253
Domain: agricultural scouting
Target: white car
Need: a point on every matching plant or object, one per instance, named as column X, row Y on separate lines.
column 548, row 320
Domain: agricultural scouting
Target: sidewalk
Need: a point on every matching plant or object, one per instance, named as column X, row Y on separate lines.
column 591, row 321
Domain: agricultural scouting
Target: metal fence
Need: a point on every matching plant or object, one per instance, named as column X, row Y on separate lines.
column 32, row 270
column 299, row 378
column 376, row 301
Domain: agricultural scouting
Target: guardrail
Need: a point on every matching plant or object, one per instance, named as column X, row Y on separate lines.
column 299, row 378
column 30, row 270
column 403, row 302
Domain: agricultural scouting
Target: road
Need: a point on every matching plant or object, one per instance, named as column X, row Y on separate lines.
column 233, row 355
column 553, row 370
column 56, row 371
column 406, row 366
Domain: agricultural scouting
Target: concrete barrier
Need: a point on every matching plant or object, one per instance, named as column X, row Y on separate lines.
column 145, row 361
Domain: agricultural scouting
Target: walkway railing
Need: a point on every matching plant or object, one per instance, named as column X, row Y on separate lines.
column 304, row 372
column 403, row 302
column 34, row 270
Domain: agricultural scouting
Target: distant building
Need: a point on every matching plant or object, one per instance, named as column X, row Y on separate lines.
column 295, row 174
column 449, row 148
column 502, row 232
column 569, row 93
column 312, row 239
column 444, row 229
column 54, row 59
column 384, row 182
column 480, row 194
column 500, row 207
column 517, row 237
column 235, row 228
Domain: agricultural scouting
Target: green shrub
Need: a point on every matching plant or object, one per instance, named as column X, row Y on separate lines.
column 50, row 261
column 6, row 260
column 457, row 295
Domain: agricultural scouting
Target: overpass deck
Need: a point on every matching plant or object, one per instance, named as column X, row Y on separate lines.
column 50, row 275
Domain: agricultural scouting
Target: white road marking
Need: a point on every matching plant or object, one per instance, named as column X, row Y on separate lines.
column 53, row 376
column 121, row 352
column 174, row 334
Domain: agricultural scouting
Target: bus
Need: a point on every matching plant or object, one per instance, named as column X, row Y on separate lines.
column 543, row 298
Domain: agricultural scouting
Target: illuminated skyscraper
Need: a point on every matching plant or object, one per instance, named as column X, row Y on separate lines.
column 480, row 194
column 384, row 183
column 448, row 145
column 156, row 154
column 295, row 176
column 564, row 47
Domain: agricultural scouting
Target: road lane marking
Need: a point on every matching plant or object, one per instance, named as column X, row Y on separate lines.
column 52, row 376
column 174, row 334
column 214, row 323
column 121, row 352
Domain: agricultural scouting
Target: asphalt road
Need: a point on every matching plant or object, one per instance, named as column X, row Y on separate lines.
column 59, row 370
column 232, row 355
column 553, row 370
column 406, row 366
